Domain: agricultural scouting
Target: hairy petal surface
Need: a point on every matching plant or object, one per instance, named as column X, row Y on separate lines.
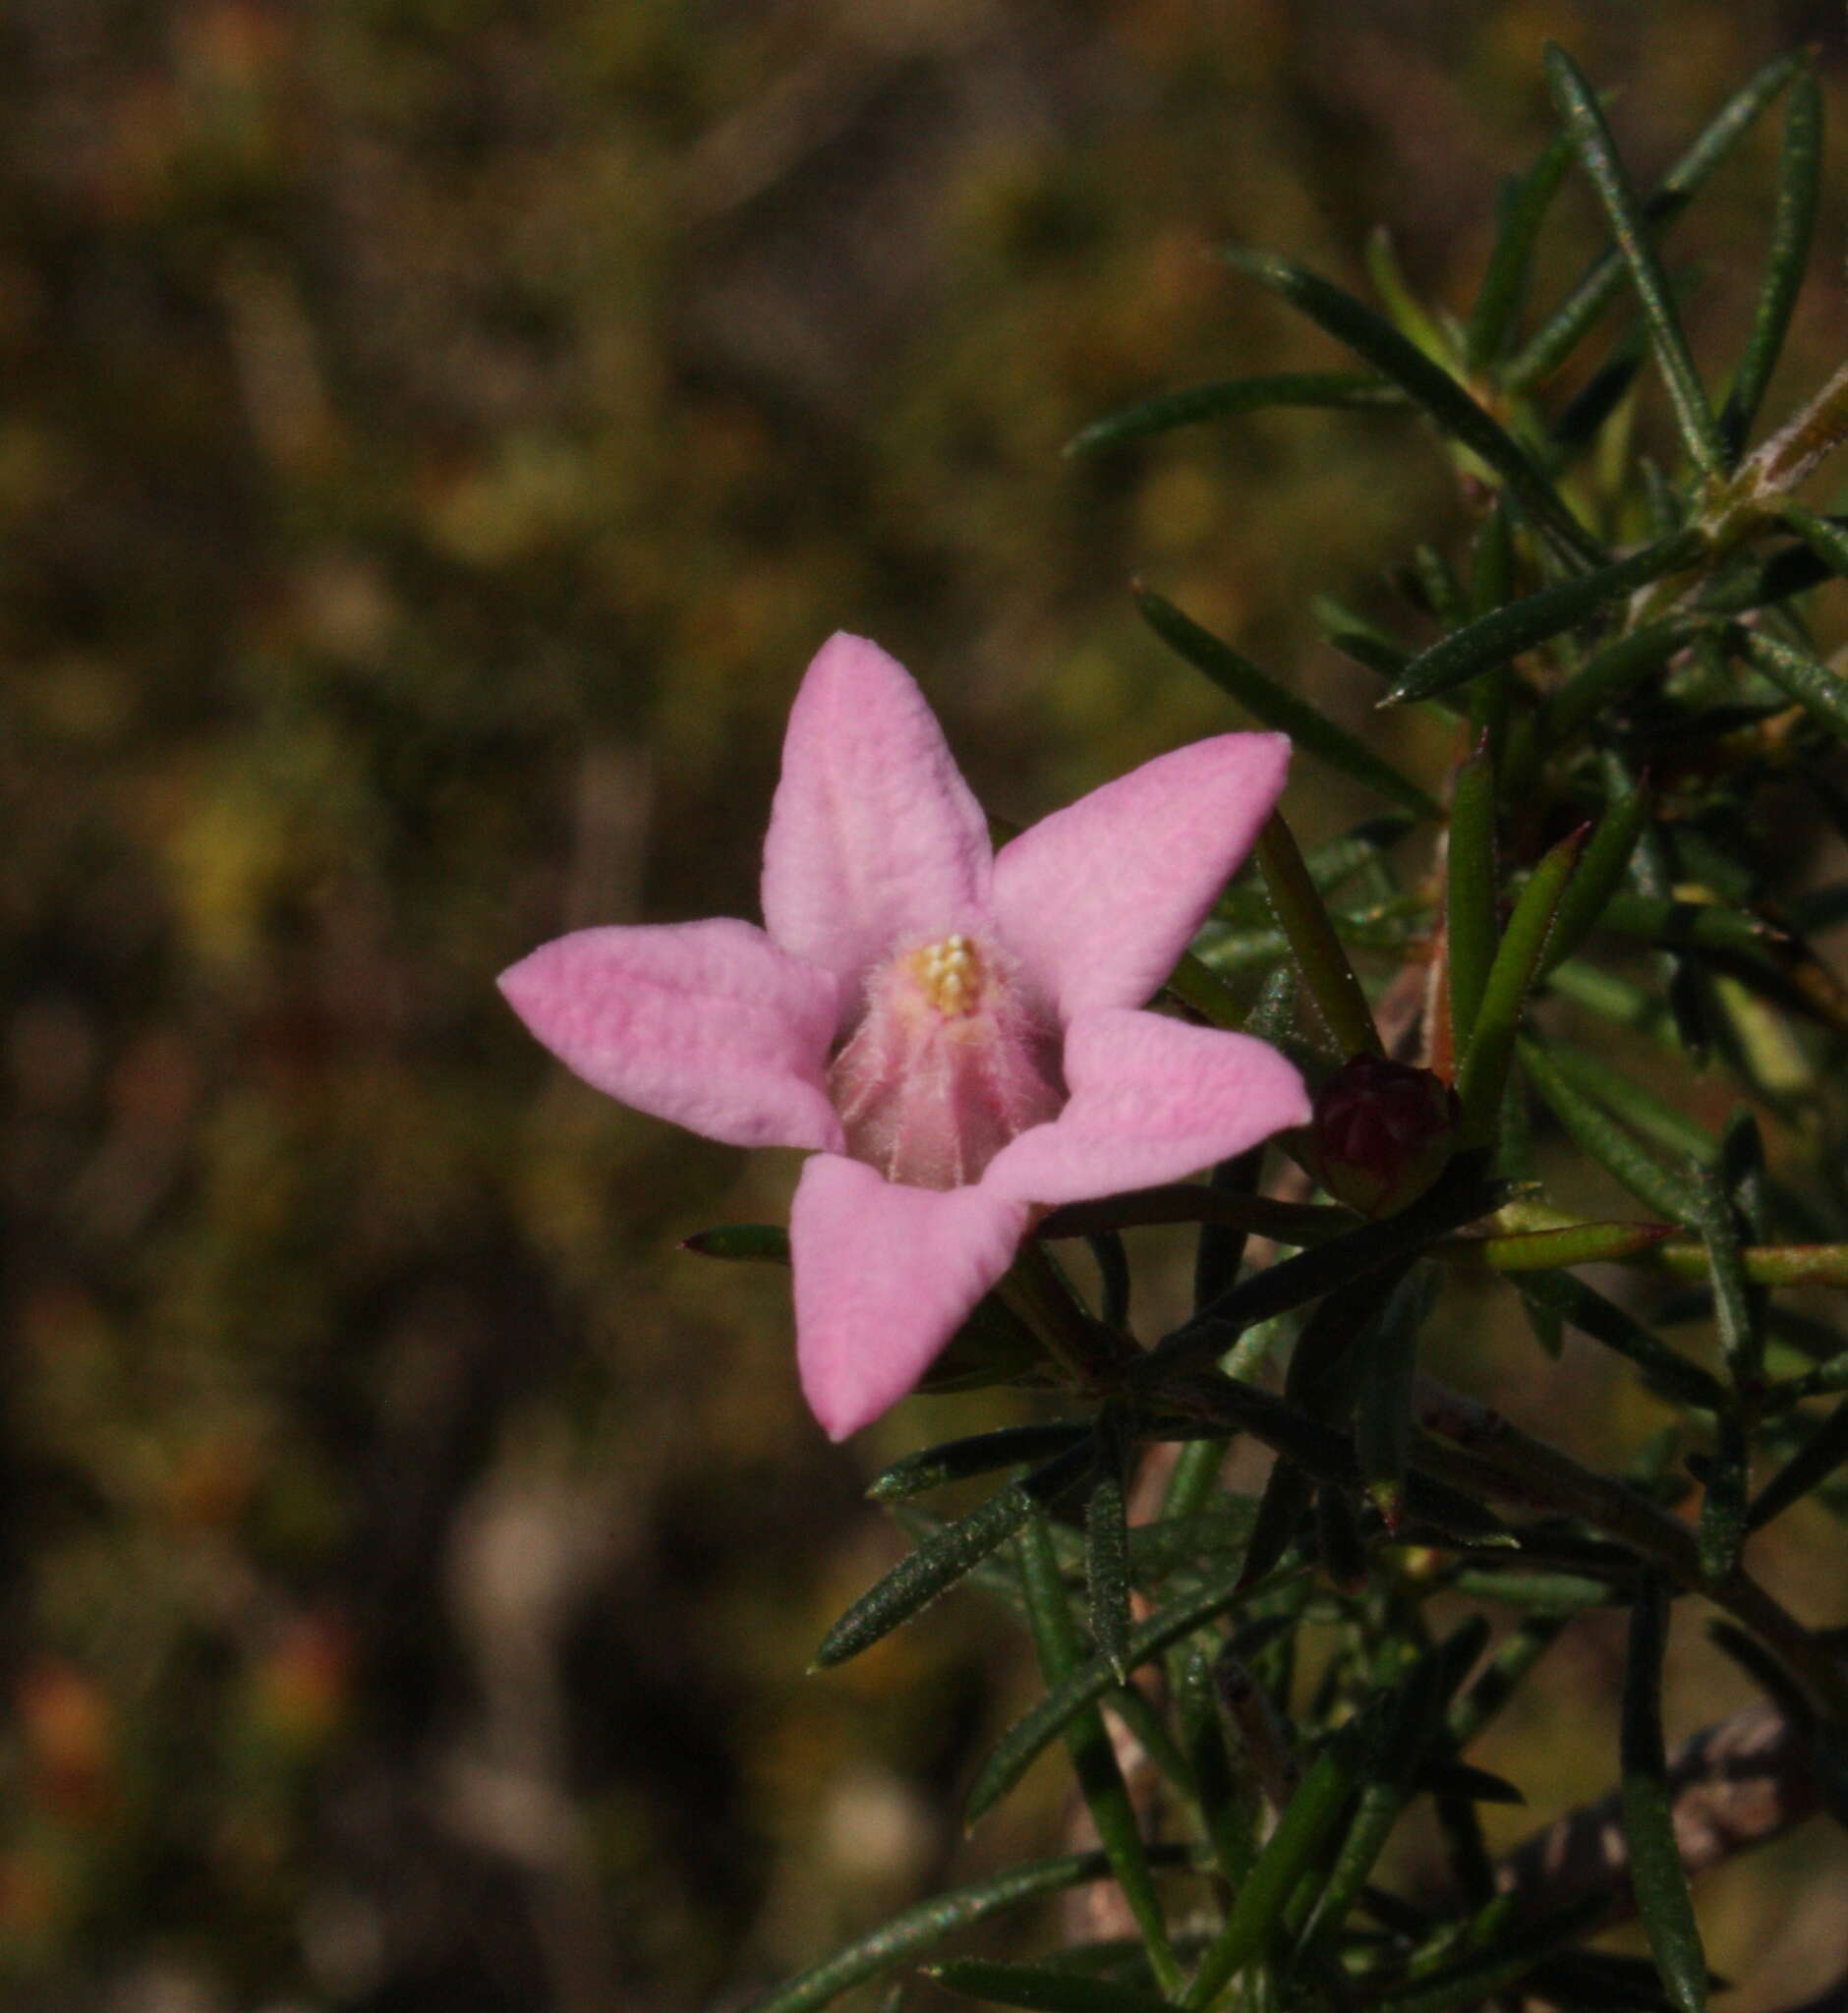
column 1152, row 1100
column 885, row 1275
column 704, row 1023
column 1099, row 900
column 875, row 841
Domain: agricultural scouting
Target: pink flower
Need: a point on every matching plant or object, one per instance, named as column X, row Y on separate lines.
column 954, row 1031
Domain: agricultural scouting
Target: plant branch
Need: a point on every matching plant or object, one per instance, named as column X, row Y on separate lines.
column 1739, row 1783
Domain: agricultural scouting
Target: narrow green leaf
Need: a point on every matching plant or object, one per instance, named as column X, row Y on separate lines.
column 1793, row 226
column 1284, row 1223
column 1113, row 1278
column 1501, row 637
column 956, row 1460
column 1496, row 314
column 1590, row 408
column 1462, row 1779
column 1826, row 537
column 1502, row 1676
column 1578, row 313
column 1215, row 1533
column 1257, row 1909
column 1671, row 1124
column 1595, row 1131
column 1656, row 1873
column 1819, row 1456
column 1546, row 1593
column 1062, row 1650
column 1195, row 1474
column 1228, row 1806
column 1808, row 681
column 1043, row 1987
column 1383, row 1417
column 1472, row 916
column 1611, row 674
column 1358, row 638
column 1617, row 999
column 1220, row 1252
column 1016, row 1750
column 917, row 1929
column 1767, row 1264
column 1414, row 1719
column 1277, row 707
column 1597, row 876
column 1597, row 153
column 1362, row 850
column 1338, row 1545
column 1560, row 335
column 1605, row 1321
column 1285, row 1501
column 1504, row 1960
column 1324, row 1366
column 1580, row 1244
column 1106, row 1557
column 1546, row 1329
column 1349, row 390
column 1688, row 924
column 765, row 1244
column 1429, row 580
column 1317, row 949
column 1829, row 1377
column 1788, row 571
column 1458, row 1197
column 1492, row 560
column 1378, row 342
column 943, row 1560
column 1726, row 1482
column 1409, row 315
column 1484, row 1069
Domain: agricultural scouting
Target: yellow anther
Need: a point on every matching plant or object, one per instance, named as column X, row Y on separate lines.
column 950, row 975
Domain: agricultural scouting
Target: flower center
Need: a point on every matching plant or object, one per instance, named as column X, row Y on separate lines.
column 948, row 974
column 951, row 1059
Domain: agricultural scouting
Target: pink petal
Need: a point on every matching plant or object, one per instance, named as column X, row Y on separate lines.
column 1152, row 1099
column 1099, row 900
column 875, row 842
column 885, row 1276
column 704, row 1023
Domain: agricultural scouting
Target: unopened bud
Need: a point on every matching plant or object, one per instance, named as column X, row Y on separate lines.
column 1381, row 1132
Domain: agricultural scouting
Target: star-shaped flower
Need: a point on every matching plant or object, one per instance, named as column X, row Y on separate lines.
column 957, row 1032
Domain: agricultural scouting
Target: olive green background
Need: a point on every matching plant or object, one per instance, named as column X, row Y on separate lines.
column 433, row 436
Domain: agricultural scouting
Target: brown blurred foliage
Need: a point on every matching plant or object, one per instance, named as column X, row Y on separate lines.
column 434, row 435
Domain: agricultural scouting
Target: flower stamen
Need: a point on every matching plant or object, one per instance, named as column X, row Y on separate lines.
column 951, row 976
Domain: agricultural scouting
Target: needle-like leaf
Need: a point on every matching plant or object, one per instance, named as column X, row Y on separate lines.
column 1377, row 341
column 1338, row 391
column 917, row 1929
column 1497, row 309
column 1555, row 340
column 1499, row 638
column 1793, row 226
column 1276, row 706
column 1470, row 896
column 941, row 1561
column 1598, row 153
column 1656, row 1873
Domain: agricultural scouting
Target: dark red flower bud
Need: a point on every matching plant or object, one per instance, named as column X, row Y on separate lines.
column 1381, row 1131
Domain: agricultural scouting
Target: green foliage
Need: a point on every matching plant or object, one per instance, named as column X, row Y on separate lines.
column 1624, row 643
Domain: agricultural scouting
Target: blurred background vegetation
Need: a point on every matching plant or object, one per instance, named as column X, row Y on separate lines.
column 433, row 436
